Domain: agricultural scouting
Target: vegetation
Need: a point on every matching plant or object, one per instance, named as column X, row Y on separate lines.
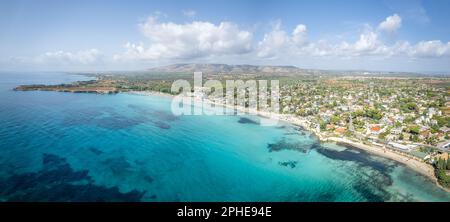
column 442, row 121
column 413, row 129
column 442, row 167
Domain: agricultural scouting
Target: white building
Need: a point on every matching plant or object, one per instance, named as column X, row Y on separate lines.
column 399, row 146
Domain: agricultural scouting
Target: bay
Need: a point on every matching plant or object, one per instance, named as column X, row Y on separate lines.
column 58, row 146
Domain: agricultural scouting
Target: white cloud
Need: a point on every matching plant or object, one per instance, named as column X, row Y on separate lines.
column 433, row 48
column 280, row 42
column 367, row 44
column 190, row 40
column 86, row 57
column 299, row 35
column 189, row 13
column 204, row 41
column 273, row 42
column 400, row 48
column 321, row 48
column 391, row 24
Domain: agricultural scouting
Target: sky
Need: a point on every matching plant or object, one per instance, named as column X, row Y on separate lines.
column 105, row 35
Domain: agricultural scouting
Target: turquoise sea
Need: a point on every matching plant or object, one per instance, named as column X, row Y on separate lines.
column 85, row 147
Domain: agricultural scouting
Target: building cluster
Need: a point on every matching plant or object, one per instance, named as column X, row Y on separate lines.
column 411, row 115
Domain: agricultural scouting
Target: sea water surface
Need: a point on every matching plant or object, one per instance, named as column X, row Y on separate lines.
column 58, row 146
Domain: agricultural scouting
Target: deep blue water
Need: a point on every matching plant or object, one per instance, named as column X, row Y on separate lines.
column 85, row 147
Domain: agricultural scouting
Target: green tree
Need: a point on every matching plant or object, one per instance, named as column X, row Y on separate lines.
column 408, row 107
column 434, row 129
column 358, row 113
column 385, row 133
column 335, row 119
column 374, row 114
column 414, row 129
column 431, row 140
column 441, row 164
column 414, row 138
column 323, row 125
column 442, row 121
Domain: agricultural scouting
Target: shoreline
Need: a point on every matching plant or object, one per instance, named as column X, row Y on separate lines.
column 418, row 166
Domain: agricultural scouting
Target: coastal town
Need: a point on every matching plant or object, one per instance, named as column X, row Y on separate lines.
column 403, row 118
column 409, row 115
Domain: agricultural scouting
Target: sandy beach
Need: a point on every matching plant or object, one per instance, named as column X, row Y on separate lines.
column 417, row 165
column 414, row 164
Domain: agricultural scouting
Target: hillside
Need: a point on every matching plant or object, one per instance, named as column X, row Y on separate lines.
column 224, row 68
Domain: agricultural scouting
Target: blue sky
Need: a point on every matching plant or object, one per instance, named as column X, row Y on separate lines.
column 398, row 35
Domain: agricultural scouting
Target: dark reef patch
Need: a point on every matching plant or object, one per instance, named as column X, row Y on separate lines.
column 299, row 128
column 399, row 197
column 118, row 122
column 305, row 196
column 367, row 192
column 291, row 164
column 372, row 184
column 95, row 151
column 316, row 145
column 284, row 145
column 373, row 175
column 161, row 124
column 158, row 114
column 117, row 165
column 362, row 157
column 81, row 116
column 244, row 120
column 87, row 111
column 326, row 197
column 293, row 130
column 148, row 179
column 57, row 181
column 161, row 117
column 165, row 116
column 313, row 136
column 104, row 117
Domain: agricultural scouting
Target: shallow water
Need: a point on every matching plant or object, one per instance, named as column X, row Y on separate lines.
column 86, row 147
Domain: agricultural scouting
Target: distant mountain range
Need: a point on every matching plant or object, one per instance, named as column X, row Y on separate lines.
column 224, row 68
column 266, row 69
